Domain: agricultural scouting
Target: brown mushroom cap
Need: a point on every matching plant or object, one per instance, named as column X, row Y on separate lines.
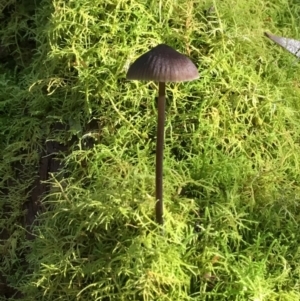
column 163, row 64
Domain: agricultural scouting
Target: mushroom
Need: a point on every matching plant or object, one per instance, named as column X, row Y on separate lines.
column 162, row 64
column 291, row 45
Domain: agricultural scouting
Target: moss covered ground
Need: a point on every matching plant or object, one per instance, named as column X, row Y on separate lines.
column 77, row 148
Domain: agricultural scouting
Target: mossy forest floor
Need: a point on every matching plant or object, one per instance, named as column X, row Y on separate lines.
column 77, row 148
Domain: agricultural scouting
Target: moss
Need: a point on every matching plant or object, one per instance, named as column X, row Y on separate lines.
column 81, row 139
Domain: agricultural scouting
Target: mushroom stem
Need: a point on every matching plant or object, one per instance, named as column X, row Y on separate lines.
column 159, row 152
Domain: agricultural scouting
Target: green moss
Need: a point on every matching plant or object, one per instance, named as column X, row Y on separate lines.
column 231, row 155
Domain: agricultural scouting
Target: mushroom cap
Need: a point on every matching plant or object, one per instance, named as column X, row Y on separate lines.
column 291, row 45
column 163, row 64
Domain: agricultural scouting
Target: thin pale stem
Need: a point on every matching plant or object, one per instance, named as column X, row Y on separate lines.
column 159, row 210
